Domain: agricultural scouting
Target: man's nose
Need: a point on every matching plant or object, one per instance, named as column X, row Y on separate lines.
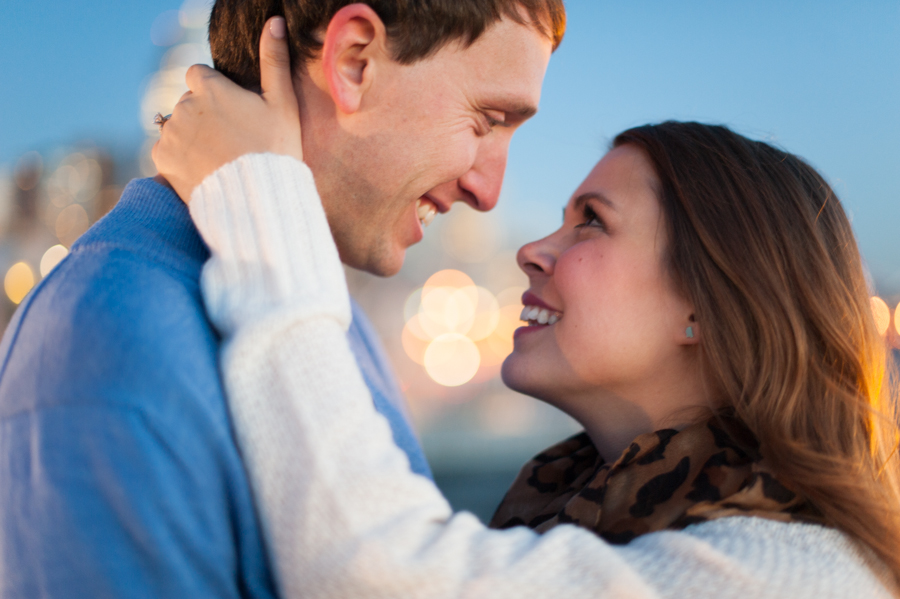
column 481, row 184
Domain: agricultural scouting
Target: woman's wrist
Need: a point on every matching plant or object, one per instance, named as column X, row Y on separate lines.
column 271, row 247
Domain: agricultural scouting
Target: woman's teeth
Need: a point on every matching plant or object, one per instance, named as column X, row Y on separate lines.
column 535, row 315
column 426, row 212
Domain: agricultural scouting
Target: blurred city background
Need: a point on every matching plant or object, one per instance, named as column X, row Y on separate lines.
column 82, row 80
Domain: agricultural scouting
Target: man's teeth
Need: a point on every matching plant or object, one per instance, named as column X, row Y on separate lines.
column 537, row 315
column 426, row 212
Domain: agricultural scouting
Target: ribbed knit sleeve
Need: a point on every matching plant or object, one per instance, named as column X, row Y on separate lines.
column 267, row 256
column 343, row 515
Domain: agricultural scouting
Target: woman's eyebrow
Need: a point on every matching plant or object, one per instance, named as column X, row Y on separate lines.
column 580, row 201
column 584, row 198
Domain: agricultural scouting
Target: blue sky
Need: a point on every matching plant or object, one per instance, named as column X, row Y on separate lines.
column 820, row 78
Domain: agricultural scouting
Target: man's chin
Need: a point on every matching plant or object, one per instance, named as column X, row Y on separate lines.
column 385, row 271
column 380, row 264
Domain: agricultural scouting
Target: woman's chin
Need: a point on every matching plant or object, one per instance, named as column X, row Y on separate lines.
column 516, row 375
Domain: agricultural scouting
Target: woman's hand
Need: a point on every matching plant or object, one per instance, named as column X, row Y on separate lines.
column 217, row 121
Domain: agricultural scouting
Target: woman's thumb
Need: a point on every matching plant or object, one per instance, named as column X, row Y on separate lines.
column 275, row 64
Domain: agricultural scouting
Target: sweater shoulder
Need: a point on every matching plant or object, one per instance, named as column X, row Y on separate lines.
column 109, row 326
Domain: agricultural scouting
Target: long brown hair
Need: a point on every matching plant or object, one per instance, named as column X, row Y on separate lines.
column 760, row 244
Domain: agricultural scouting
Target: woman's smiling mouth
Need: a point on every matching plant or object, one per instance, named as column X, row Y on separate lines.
column 537, row 313
column 536, row 316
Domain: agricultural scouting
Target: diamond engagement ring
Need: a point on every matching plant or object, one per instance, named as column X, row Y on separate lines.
column 160, row 120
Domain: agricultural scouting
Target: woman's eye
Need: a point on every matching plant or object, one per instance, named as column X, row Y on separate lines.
column 590, row 219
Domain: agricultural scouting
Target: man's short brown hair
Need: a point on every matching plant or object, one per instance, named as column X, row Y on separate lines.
column 415, row 28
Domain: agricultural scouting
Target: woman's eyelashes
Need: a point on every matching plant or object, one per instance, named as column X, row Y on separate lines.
column 589, row 218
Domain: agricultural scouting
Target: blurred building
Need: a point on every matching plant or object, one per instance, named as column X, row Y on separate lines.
column 46, row 203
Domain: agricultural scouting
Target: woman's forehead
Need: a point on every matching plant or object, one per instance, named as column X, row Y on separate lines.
column 623, row 175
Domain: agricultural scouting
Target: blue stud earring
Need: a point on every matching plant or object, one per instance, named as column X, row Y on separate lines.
column 689, row 332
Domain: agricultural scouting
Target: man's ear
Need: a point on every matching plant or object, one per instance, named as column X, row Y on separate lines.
column 355, row 36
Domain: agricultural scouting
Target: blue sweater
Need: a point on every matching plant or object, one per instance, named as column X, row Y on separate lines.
column 119, row 472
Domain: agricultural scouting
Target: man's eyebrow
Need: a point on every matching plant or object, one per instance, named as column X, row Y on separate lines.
column 523, row 111
column 514, row 107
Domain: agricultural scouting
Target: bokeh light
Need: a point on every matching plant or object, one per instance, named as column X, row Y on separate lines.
column 511, row 296
column 486, row 315
column 448, row 278
column 439, row 316
column 882, row 315
column 469, row 236
column 52, row 257
column 500, row 343
column 194, row 14
column 76, row 179
column 452, row 360
column 7, row 206
column 18, row 282
column 164, row 90
column 145, row 159
column 897, row 320
column 185, row 31
column 415, row 341
column 411, row 307
column 450, row 308
column 28, row 171
column 71, row 223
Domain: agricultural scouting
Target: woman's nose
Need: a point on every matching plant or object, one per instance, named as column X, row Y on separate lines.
column 538, row 257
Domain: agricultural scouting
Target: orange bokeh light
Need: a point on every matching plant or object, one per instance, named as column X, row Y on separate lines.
column 452, row 360
column 448, row 278
column 897, row 319
column 882, row 315
column 18, row 282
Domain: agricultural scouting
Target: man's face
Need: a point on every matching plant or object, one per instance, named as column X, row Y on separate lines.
column 427, row 135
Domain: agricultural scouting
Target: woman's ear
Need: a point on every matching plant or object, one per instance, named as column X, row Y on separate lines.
column 354, row 38
column 691, row 334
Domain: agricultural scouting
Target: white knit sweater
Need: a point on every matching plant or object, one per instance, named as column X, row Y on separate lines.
column 343, row 515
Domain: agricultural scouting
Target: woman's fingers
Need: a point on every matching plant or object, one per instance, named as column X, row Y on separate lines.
column 198, row 76
column 275, row 67
column 217, row 121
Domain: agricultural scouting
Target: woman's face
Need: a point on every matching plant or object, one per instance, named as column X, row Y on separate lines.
column 620, row 327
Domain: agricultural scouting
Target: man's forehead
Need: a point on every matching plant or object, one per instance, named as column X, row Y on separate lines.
column 507, row 66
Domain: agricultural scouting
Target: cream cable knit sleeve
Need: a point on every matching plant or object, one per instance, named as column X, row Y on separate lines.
column 343, row 515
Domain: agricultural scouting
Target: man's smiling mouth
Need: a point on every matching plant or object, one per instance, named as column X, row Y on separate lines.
column 426, row 211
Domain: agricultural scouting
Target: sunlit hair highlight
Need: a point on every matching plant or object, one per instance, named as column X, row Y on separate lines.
column 415, row 28
column 760, row 244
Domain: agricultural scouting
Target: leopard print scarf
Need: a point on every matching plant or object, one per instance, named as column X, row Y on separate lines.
column 664, row 480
